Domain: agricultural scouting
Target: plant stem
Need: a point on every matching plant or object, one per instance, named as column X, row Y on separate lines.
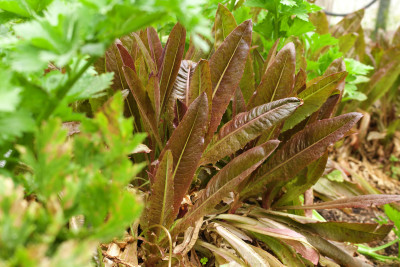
column 62, row 91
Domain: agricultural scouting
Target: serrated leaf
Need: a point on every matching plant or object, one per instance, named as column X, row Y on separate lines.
column 302, row 149
column 314, row 96
column 173, row 53
column 278, row 80
column 225, row 181
column 180, row 90
column 186, row 145
column 143, row 102
column 246, row 126
column 227, row 66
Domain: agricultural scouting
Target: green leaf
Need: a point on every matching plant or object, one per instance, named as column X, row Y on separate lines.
column 200, row 82
column 24, row 8
column 227, row 66
column 225, row 181
column 278, row 80
column 14, row 124
column 246, row 126
column 284, row 252
column 303, row 182
column 160, row 203
column 187, row 145
column 302, row 149
column 314, row 96
column 173, row 53
column 225, row 23
column 350, row 232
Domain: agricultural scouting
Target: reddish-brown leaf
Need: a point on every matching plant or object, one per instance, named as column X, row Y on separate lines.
column 173, row 53
column 302, row 149
column 143, row 102
column 186, row 145
column 227, row 66
column 278, row 80
column 225, row 181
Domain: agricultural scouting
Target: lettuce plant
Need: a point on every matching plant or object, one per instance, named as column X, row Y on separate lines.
column 234, row 141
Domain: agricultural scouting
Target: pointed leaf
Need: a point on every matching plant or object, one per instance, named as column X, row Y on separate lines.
column 179, row 111
column 285, row 254
column 258, row 66
column 143, row 102
column 320, row 21
column 337, row 231
column 225, row 181
column 173, row 53
column 246, row 126
column 273, row 262
column 302, row 149
column 186, row 145
column 302, row 182
column 247, row 84
column 244, row 250
column 147, row 58
column 200, row 82
column 127, row 60
column 153, row 91
column 278, row 80
column 226, row 254
column 300, row 81
column 332, row 251
column 160, row 203
column 155, row 46
column 364, row 201
column 227, row 66
column 351, row 232
column 271, row 56
column 225, row 23
column 314, row 97
column 350, row 23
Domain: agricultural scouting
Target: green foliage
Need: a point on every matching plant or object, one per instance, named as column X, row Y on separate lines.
column 79, row 180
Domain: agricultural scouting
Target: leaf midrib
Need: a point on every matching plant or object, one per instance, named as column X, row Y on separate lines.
column 229, row 62
column 246, row 124
column 297, row 154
